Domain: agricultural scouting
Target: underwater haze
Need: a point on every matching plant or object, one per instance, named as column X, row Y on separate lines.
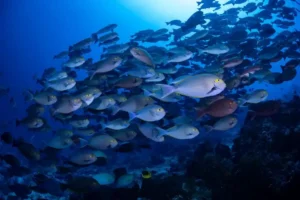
column 150, row 99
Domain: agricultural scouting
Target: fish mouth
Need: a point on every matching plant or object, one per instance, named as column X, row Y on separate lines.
column 231, row 123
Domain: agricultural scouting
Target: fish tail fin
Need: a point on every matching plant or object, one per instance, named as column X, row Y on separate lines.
column 200, row 112
column 166, row 90
column 18, row 122
column 28, row 96
column 208, row 128
column 103, row 125
column 52, row 112
column 92, row 76
column 80, row 142
column 241, row 102
column 40, row 81
column 168, row 23
column 115, row 109
column 161, row 132
column 132, row 116
column 166, row 61
column 147, row 93
column 95, row 37
column 200, row 51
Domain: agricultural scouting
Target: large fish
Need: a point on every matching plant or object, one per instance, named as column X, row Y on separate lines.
column 197, row 86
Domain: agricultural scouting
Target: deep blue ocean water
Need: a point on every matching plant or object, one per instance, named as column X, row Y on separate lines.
column 33, row 31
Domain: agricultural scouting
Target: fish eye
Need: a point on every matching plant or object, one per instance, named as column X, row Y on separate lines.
column 217, row 80
column 116, row 58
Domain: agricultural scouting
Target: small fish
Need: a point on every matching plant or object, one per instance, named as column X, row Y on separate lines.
column 74, row 62
column 181, row 132
column 124, row 135
column 106, row 65
column 44, row 98
column 150, row 113
column 220, row 108
column 150, row 131
column 215, row 49
column 61, row 84
column 102, row 142
column 31, row 122
column 117, row 124
column 142, row 55
column 83, row 157
column 256, row 96
column 104, row 178
column 133, row 104
column 102, row 103
column 223, row 124
column 66, row 105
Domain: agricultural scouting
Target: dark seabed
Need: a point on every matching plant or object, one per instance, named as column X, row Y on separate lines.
column 150, row 100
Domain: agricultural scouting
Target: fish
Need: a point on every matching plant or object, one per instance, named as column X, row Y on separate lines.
column 61, row 84
column 150, row 113
column 151, row 132
column 82, row 157
column 223, row 124
column 106, row 65
column 27, row 150
column 125, row 181
column 181, row 132
column 35, row 110
column 59, row 142
column 217, row 49
column 74, row 62
column 66, row 105
column 256, row 96
column 104, row 178
column 197, row 86
column 81, row 184
column 43, row 98
column 219, row 108
column 31, row 122
column 107, row 28
column 117, row 124
column 124, row 135
column 102, row 142
column 102, row 103
column 128, row 82
column 142, row 55
column 133, row 104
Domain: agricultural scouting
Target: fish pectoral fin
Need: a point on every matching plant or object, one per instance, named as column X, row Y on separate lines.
column 212, row 90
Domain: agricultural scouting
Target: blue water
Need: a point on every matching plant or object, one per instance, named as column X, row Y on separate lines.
column 32, row 32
